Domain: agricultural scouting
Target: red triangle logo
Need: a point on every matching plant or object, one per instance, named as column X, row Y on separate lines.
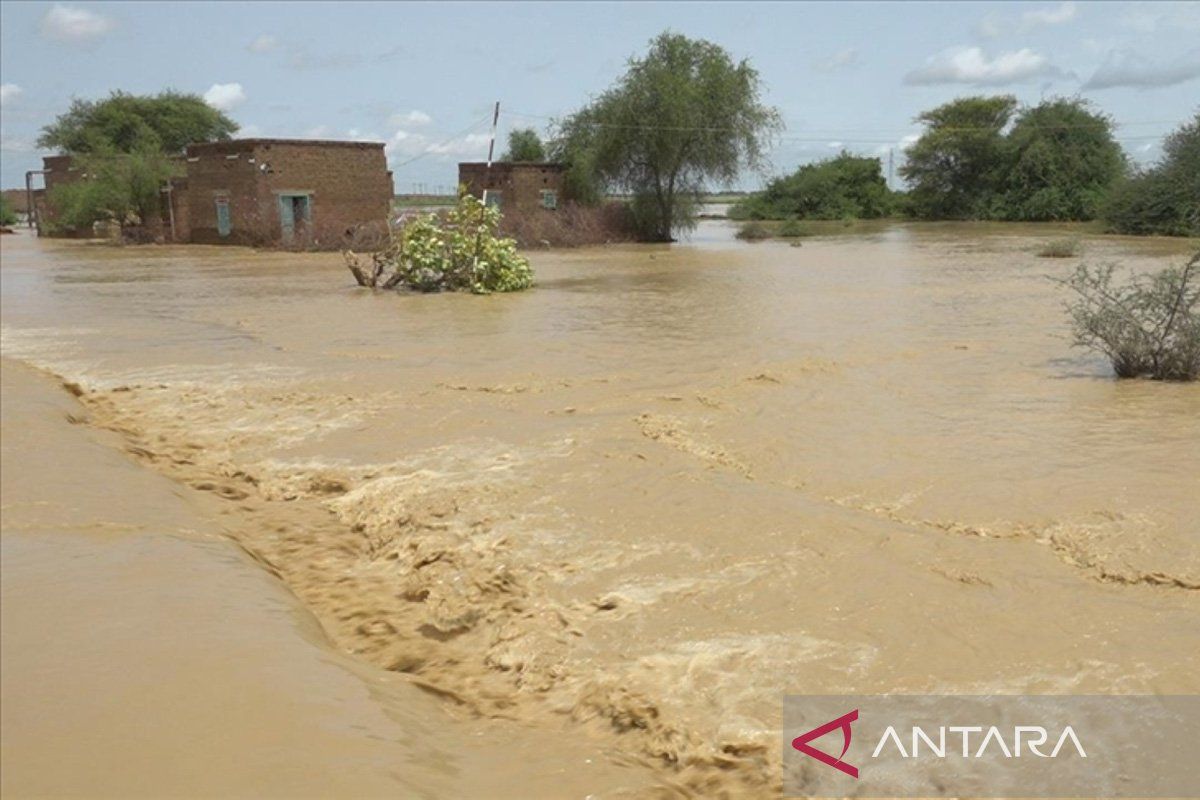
column 801, row 743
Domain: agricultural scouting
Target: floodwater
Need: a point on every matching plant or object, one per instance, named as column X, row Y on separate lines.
column 580, row 540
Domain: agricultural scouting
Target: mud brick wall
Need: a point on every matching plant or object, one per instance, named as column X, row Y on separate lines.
column 348, row 184
column 520, row 183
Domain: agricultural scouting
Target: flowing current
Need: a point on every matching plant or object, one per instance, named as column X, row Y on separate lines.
column 581, row 540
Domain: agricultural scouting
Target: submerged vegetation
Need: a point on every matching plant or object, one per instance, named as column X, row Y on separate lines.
column 1059, row 248
column 7, row 215
column 845, row 186
column 1164, row 199
column 1148, row 326
column 455, row 251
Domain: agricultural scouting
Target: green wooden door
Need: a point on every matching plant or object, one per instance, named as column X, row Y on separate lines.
column 224, row 223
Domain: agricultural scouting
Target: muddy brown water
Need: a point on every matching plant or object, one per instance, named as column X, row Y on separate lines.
column 578, row 541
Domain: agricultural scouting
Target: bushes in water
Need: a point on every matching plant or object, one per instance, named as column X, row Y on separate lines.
column 1164, row 199
column 1148, row 326
column 1059, row 248
column 7, row 215
column 572, row 224
column 455, row 251
column 794, row 229
column 845, row 186
column 753, row 232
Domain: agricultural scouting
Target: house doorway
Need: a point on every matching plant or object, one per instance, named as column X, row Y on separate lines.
column 295, row 217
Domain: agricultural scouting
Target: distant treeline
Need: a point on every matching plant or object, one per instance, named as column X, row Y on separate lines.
column 986, row 158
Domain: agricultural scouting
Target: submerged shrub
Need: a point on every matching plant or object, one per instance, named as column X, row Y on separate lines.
column 753, row 232
column 1059, row 248
column 794, row 229
column 1148, row 326
column 455, row 251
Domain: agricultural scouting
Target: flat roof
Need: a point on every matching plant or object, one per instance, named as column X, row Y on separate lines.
column 247, row 143
column 538, row 164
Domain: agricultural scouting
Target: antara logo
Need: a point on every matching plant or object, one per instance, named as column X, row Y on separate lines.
column 801, row 743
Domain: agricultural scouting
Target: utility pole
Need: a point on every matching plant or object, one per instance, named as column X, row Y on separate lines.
column 491, row 152
column 891, row 159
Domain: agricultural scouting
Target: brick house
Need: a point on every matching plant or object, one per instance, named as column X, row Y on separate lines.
column 284, row 191
column 261, row 192
column 522, row 187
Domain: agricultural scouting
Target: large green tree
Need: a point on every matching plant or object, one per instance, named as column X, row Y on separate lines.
column 957, row 167
column 121, row 187
column 683, row 115
column 524, row 145
column 1062, row 161
column 127, row 123
column 1164, row 199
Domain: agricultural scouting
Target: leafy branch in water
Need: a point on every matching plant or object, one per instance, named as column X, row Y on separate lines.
column 1148, row 326
column 455, row 251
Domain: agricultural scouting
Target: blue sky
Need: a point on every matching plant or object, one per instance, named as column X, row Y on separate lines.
column 422, row 76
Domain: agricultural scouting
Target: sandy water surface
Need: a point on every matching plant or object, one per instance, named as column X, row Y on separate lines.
column 621, row 515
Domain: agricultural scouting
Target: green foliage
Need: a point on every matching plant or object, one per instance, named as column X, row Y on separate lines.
column 524, row 145
column 7, row 215
column 124, row 188
column 957, row 167
column 1058, row 161
column 794, row 229
column 456, row 251
column 682, row 115
column 1063, row 160
column 1147, row 326
column 753, row 232
column 1164, row 199
column 126, row 123
column 844, row 186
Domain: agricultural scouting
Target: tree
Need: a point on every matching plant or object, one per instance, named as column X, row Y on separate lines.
column 126, row 123
column 845, row 186
column 7, row 215
column 1064, row 160
column 1164, row 199
column 957, row 167
column 121, row 187
column 524, row 145
column 681, row 116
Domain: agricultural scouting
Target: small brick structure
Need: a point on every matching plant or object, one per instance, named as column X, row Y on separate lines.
column 291, row 192
column 520, row 187
column 285, row 191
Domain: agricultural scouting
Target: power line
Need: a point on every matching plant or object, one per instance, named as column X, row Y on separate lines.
column 833, row 133
column 433, row 147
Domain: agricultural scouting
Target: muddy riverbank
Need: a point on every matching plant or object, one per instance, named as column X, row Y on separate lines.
column 639, row 503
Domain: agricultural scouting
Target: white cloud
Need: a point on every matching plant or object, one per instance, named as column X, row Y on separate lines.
column 414, row 117
column 263, row 43
column 9, row 92
column 1155, row 17
column 1127, row 68
column 1064, row 12
column 842, row 58
column 72, row 24
column 408, row 144
column 250, row 132
column 225, row 96
column 834, row 145
column 970, row 65
column 318, row 132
